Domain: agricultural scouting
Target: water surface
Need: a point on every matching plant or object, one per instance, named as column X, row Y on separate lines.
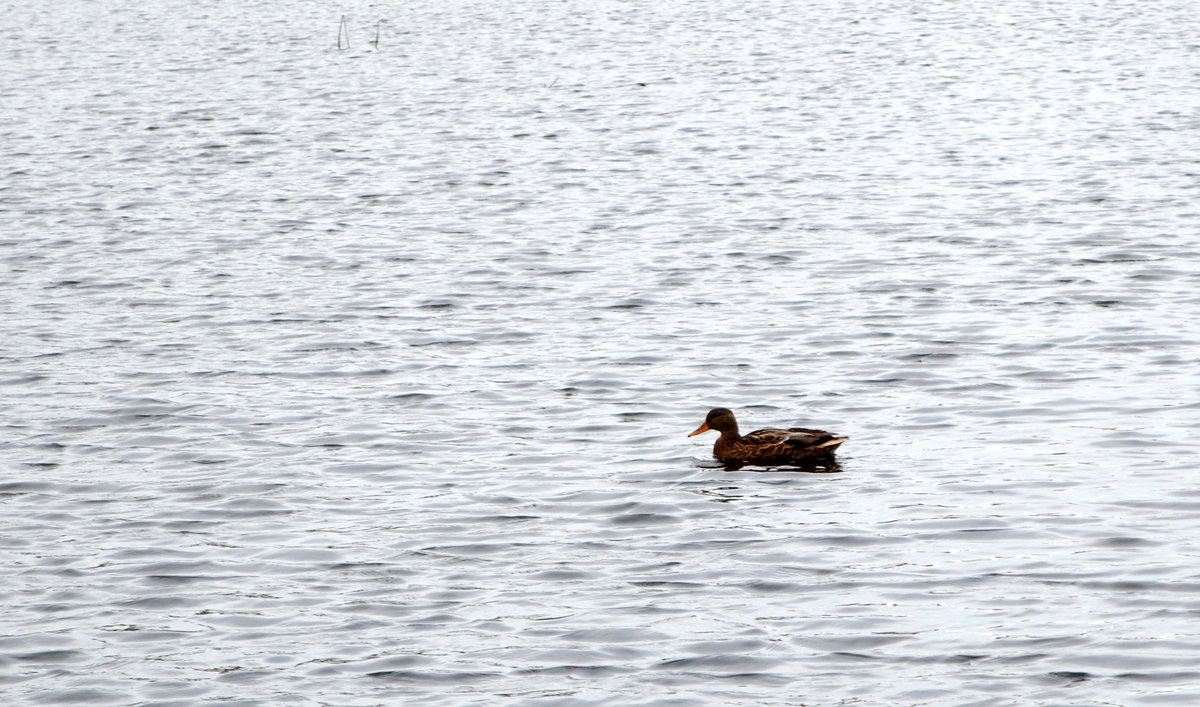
column 364, row 376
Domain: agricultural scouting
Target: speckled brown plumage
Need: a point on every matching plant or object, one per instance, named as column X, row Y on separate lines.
column 767, row 446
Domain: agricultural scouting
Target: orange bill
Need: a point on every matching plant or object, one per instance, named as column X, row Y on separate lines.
column 702, row 428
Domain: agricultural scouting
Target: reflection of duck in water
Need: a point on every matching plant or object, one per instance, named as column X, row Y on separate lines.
column 768, row 446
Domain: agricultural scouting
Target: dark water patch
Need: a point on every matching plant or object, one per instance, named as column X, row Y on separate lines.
column 78, row 696
column 240, row 675
column 684, row 679
column 22, row 487
column 1166, row 678
column 51, row 656
column 644, row 519
column 440, row 342
column 953, row 659
column 300, row 555
column 433, row 677
column 575, row 671
column 850, row 644
column 474, row 549
column 413, row 398
column 564, row 575
column 733, row 645
column 1069, row 676
column 349, row 439
column 614, row 635
column 740, row 663
column 1173, row 505
column 317, row 346
column 854, row 540
column 1130, row 542
column 158, row 603
column 137, row 634
column 504, row 519
column 1056, row 643
column 632, row 304
column 22, row 379
column 383, row 609
column 845, row 657
column 766, row 587
column 173, row 567
column 667, row 584
column 175, row 579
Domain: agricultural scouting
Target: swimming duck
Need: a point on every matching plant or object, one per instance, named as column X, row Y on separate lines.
column 769, row 446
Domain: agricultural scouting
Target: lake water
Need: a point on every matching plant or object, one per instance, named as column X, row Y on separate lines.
column 363, row 376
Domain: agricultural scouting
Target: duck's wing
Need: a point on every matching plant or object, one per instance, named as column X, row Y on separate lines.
column 798, row 436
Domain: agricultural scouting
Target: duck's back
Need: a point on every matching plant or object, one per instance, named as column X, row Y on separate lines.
column 798, row 436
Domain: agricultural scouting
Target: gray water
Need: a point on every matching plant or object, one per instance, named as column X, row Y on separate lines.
column 363, row 376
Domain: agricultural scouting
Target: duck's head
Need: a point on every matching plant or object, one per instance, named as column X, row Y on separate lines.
column 719, row 419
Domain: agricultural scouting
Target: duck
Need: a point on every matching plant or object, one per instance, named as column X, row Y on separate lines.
column 767, row 447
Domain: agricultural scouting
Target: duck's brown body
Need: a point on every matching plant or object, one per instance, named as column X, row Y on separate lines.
column 768, row 446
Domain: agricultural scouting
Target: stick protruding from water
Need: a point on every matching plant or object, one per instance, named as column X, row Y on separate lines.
column 376, row 42
column 343, row 30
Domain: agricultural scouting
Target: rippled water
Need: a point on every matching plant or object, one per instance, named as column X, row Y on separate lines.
column 363, row 377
